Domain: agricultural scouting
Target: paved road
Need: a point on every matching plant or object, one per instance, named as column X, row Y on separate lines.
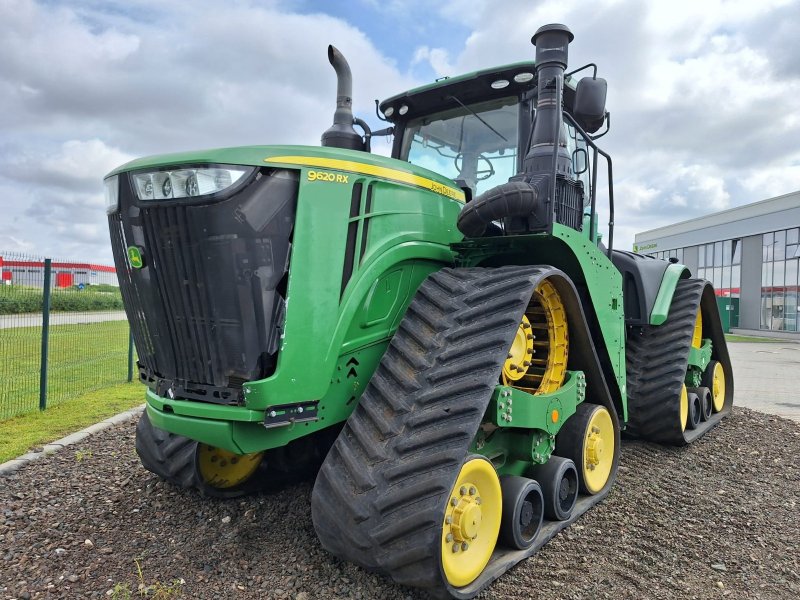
column 66, row 318
column 767, row 377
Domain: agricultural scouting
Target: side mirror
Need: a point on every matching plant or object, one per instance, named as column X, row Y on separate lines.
column 590, row 103
column 580, row 161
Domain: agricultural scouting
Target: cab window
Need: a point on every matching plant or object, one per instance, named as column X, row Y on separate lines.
column 476, row 145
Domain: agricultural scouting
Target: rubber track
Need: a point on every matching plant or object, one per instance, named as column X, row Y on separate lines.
column 379, row 497
column 657, row 358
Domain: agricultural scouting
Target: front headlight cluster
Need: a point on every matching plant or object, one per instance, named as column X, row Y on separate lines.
column 184, row 183
column 111, row 186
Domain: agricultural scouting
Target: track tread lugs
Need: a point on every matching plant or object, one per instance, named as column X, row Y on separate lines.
column 411, row 485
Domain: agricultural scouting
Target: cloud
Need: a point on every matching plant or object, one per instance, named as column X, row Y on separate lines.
column 702, row 94
column 83, row 90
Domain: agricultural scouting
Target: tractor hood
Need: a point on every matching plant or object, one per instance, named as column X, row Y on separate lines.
column 287, row 156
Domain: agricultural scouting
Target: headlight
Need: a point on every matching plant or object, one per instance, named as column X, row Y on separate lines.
column 184, row 183
column 111, row 186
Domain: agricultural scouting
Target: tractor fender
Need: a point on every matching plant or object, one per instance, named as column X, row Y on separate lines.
column 648, row 286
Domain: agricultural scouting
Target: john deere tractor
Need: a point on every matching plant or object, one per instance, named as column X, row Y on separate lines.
column 446, row 331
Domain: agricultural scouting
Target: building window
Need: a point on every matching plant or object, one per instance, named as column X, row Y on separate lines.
column 720, row 263
column 779, row 280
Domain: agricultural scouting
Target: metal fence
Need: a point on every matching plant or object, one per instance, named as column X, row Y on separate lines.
column 63, row 332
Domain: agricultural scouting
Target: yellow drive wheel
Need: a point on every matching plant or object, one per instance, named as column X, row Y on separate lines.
column 697, row 334
column 714, row 379
column 589, row 440
column 221, row 469
column 471, row 522
column 684, row 406
column 537, row 359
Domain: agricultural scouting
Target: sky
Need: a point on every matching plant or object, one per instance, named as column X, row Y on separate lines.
column 704, row 95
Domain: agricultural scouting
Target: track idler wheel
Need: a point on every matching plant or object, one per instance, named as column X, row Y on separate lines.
column 523, row 511
column 471, row 521
column 588, row 440
column 695, row 410
column 558, row 479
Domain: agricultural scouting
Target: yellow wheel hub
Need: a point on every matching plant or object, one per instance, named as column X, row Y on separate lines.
column 537, row 360
column 521, row 352
column 697, row 334
column 222, row 469
column 684, row 407
column 598, row 450
column 718, row 387
column 471, row 522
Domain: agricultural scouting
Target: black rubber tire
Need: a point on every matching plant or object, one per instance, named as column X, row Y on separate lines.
column 706, row 404
column 572, row 437
column 657, row 359
column 558, row 478
column 380, row 495
column 523, row 511
column 695, row 411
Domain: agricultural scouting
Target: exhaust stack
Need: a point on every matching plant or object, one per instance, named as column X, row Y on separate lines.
column 341, row 134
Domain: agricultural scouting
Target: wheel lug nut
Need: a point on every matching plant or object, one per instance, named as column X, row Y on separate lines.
column 473, row 491
column 463, row 490
column 449, row 537
column 456, row 547
column 454, row 501
column 464, row 545
column 448, row 520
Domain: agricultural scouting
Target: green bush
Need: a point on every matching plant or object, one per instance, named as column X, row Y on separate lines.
column 14, row 300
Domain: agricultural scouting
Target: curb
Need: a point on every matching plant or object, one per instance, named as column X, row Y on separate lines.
column 16, row 463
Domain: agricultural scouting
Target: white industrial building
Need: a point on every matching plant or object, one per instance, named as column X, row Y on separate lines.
column 750, row 253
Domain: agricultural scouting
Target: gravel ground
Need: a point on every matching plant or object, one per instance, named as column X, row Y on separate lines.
column 719, row 519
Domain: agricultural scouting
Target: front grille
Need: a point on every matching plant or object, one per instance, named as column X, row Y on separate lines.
column 181, row 288
column 205, row 308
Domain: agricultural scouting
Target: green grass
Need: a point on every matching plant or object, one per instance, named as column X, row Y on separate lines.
column 82, row 358
column 750, row 338
column 19, row 434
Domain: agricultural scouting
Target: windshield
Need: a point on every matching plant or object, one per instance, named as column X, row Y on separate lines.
column 477, row 144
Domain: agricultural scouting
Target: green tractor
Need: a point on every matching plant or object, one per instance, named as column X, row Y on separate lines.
column 443, row 331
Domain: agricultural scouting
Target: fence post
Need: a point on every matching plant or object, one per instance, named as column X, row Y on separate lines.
column 45, row 334
column 130, row 354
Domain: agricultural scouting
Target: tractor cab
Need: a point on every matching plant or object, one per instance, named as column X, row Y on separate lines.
column 476, row 128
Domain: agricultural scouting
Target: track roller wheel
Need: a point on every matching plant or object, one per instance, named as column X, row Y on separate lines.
column 588, row 440
column 695, row 411
column 523, row 511
column 714, row 379
column 472, row 519
column 706, row 403
column 558, row 478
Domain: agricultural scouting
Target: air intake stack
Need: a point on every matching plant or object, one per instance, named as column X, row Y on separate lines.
column 545, row 190
column 552, row 42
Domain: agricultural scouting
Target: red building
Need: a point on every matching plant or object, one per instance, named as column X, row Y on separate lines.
column 64, row 274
